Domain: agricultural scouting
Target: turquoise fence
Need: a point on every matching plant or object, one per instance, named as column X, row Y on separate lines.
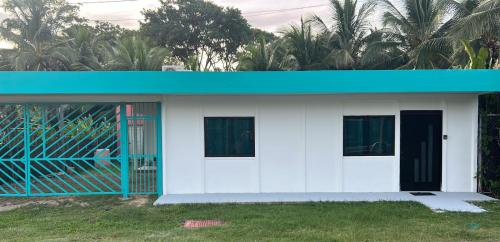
column 80, row 149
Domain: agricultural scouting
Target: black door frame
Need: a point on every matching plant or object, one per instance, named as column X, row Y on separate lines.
column 441, row 135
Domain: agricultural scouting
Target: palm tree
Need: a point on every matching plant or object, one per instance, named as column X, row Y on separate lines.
column 33, row 26
column 477, row 21
column 85, row 49
column 134, row 53
column 308, row 48
column 5, row 56
column 474, row 18
column 47, row 56
column 380, row 53
column 262, row 56
column 418, row 32
column 347, row 36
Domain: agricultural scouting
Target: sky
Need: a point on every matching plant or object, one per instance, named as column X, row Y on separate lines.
column 270, row 15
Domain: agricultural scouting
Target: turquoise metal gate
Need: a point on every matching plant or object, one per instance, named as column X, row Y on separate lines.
column 144, row 137
column 12, row 153
column 79, row 149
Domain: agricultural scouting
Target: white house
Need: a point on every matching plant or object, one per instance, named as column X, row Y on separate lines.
column 294, row 132
column 320, row 143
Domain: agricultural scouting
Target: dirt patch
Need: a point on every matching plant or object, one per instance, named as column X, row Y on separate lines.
column 139, row 201
column 15, row 204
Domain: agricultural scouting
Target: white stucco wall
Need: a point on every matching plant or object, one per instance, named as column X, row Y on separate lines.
column 299, row 143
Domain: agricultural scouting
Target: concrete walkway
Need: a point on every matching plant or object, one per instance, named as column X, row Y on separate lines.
column 442, row 201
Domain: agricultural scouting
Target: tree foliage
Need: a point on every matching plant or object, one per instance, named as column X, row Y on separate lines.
column 49, row 35
column 200, row 29
column 263, row 56
column 36, row 21
column 477, row 20
column 137, row 54
column 416, row 34
column 34, row 28
column 348, row 35
column 308, row 48
column 84, row 47
column 417, row 30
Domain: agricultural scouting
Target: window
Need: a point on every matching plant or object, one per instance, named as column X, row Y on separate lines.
column 368, row 135
column 229, row 137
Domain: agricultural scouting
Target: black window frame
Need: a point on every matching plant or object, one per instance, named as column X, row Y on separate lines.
column 206, row 138
column 389, row 154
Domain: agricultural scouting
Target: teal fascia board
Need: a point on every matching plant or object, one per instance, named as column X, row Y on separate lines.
column 293, row 82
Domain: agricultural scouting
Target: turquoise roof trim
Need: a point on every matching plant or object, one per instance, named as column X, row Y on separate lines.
column 294, row 82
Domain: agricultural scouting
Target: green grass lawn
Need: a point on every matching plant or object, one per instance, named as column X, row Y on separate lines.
column 109, row 218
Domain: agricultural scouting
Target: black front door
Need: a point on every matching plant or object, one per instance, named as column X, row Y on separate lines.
column 421, row 150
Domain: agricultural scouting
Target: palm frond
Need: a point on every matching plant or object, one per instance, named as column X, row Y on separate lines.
column 485, row 18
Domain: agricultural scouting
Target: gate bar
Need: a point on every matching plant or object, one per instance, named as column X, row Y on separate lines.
column 124, row 149
column 44, row 130
column 26, row 115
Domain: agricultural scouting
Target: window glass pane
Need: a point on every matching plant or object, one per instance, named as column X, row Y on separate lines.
column 368, row 135
column 229, row 137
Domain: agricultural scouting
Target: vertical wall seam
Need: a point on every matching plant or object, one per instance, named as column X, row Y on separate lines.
column 257, row 140
column 305, row 146
column 474, row 143
column 340, row 129
column 164, row 125
column 397, row 186
column 201, row 126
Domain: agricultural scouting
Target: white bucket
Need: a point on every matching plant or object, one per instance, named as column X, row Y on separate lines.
column 102, row 158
